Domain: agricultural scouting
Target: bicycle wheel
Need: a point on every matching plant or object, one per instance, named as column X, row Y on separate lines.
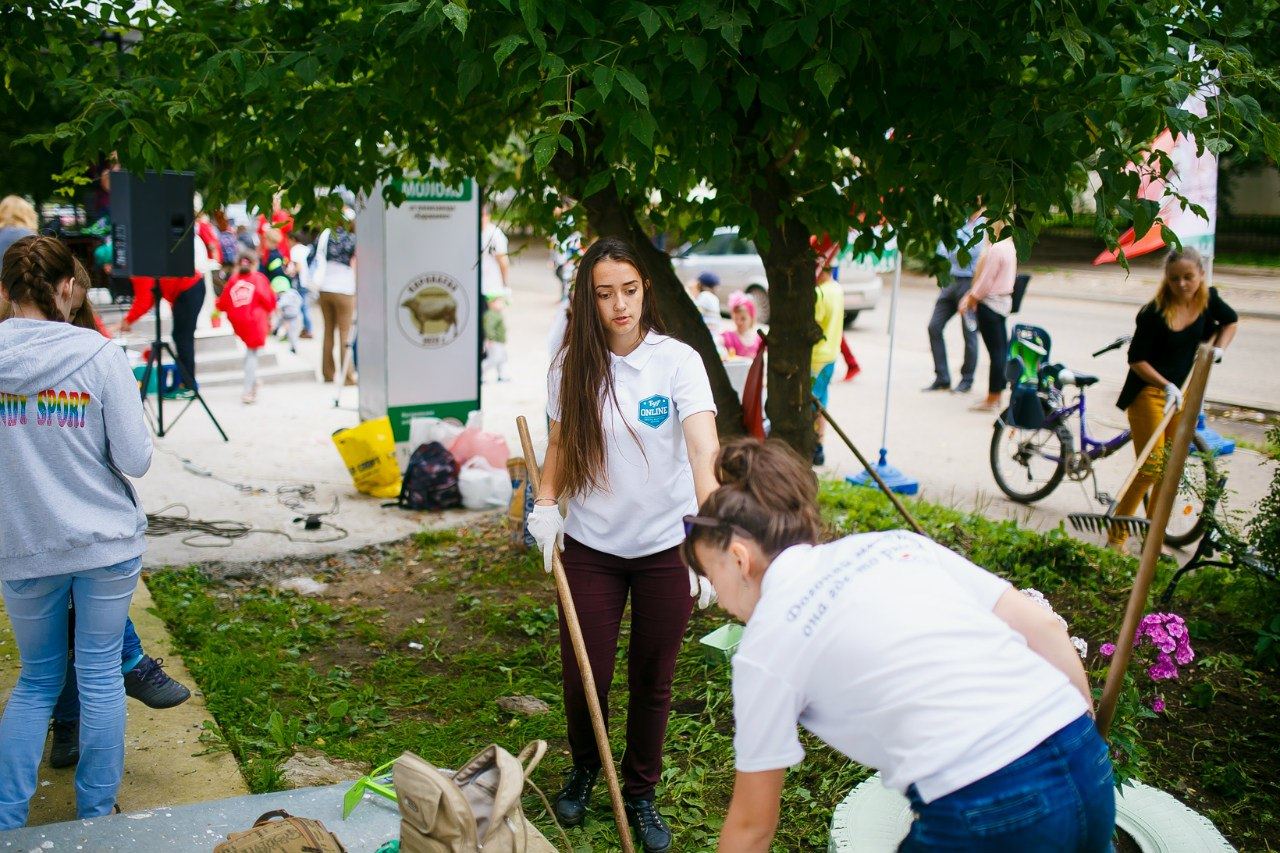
column 1197, row 494
column 1028, row 463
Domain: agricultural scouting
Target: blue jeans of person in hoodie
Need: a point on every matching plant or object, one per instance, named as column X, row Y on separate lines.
column 37, row 608
column 67, row 710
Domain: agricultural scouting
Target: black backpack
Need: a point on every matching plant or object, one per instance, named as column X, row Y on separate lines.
column 430, row 480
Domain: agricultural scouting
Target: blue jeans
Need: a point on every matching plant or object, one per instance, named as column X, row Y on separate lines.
column 67, row 710
column 1058, row 798
column 38, row 611
column 306, row 310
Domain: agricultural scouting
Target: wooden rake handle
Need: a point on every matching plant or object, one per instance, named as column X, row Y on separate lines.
column 1161, row 506
column 1150, row 446
column 884, row 487
column 580, row 653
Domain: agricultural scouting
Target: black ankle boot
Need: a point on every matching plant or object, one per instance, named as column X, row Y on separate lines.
column 574, row 798
column 655, row 835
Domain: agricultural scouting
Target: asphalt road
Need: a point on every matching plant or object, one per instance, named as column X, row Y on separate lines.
column 933, row 437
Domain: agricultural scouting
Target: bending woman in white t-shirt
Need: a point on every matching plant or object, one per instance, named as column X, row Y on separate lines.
column 632, row 447
column 968, row 697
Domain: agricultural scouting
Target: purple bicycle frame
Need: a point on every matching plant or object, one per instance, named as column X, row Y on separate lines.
column 1090, row 446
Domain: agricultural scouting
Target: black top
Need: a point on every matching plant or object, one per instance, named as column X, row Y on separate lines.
column 1171, row 353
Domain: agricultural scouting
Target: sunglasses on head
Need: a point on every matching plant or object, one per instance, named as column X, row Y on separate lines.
column 692, row 521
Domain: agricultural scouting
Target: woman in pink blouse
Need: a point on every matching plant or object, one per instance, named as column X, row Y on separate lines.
column 991, row 298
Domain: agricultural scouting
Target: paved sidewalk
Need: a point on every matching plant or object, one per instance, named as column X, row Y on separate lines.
column 163, row 760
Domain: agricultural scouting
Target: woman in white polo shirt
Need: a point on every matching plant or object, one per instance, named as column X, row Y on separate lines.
column 632, row 447
column 967, row 696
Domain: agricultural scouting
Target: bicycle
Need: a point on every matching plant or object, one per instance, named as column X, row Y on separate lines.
column 1029, row 464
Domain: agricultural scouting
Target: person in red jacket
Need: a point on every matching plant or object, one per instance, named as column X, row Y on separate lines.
column 281, row 220
column 247, row 301
column 186, row 295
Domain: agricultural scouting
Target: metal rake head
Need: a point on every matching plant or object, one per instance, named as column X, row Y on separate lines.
column 1096, row 522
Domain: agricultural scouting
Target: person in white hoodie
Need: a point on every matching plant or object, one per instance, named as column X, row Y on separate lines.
column 71, row 432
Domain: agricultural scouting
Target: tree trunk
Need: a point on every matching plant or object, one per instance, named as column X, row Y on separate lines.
column 609, row 216
column 789, row 267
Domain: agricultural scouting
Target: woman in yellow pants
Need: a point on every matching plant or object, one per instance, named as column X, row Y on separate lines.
column 1169, row 328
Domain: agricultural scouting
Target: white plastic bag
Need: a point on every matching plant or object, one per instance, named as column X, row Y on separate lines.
column 483, row 486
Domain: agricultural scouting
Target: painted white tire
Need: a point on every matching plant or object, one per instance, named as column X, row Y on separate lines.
column 874, row 819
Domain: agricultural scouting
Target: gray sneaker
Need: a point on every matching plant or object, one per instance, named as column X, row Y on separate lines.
column 151, row 685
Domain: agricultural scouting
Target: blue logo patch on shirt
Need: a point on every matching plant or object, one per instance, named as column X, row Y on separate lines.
column 654, row 411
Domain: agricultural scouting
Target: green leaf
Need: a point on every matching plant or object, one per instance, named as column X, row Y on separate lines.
column 695, row 50
column 746, row 90
column 649, row 20
column 543, row 150
column 468, row 77
column 506, row 47
column 308, row 69
column 826, row 77
column 778, row 34
column 602, row 78
column 458, row 15
column 643, row 127
column 633, row 86
column 338, row 709
column 1072, row 43
column 598, row 181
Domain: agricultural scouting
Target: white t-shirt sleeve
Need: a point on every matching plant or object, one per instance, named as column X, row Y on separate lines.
column 766, row 713
column 497, row 242
column 690, row 388
column 985, row 587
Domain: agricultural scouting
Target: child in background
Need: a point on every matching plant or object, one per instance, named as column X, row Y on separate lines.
column 248, row 301
column 495, row 337
column 277, row 271
column 707, row 301
column 741, row 341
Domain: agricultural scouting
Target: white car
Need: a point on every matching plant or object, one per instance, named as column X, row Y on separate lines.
column 739, row 267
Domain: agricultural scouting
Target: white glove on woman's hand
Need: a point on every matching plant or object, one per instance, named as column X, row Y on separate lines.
column 546, row 524
column 701, row 589
column 1218, row 352
column 1172, row 397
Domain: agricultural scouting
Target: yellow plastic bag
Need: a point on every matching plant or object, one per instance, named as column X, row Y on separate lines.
column 369, row 452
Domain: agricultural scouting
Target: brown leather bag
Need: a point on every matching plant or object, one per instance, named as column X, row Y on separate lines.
column 288, row 835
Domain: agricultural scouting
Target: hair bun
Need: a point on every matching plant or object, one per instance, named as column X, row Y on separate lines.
column 736, row 461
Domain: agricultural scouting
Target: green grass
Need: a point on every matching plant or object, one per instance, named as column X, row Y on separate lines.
column 1269, row 260
column 281, row 671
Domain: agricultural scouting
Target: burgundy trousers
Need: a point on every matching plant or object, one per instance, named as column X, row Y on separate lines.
column 660, row 608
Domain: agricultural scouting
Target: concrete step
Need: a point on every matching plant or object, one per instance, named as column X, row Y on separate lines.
column 276, row 364
column 208, row 341
column 200, row 826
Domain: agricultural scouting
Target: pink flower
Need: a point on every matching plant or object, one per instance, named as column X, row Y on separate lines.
column 1163, row 669
column 1185, row 655
column 1107, row 649
column 1157, row 705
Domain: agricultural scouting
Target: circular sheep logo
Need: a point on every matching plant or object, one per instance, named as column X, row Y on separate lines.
column 432, row 309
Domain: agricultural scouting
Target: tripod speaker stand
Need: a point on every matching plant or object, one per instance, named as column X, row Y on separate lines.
column 155, row 361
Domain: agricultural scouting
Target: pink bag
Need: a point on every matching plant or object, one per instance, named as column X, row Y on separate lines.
column 473, row 441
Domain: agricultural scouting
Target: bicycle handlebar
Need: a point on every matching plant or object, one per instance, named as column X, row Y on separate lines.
column 1116, row 344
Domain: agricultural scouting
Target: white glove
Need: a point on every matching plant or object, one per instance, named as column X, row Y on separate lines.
column 701, row 589
column 547, row 527
column 1217, row 355
column 1172, row 397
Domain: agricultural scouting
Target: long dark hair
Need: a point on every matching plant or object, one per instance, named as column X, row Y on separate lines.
column 586, row 382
